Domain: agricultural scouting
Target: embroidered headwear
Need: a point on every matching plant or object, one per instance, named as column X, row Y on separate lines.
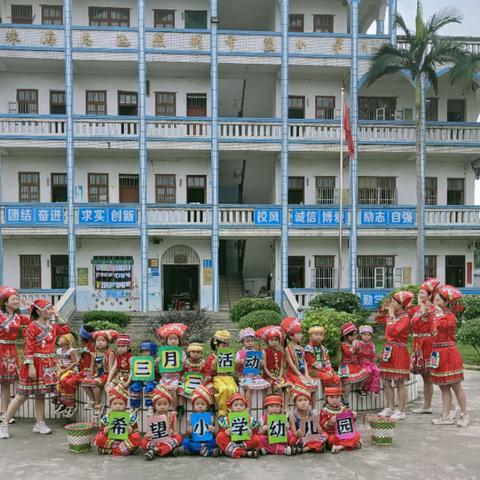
column 161, row 392
column 69, row 338
column 237, row 396
column 178, row 329
column 333, row 391
column 316, row 329
column 245, row 333
column 109, row 335
column 222, row 336
column 195, row 347
column 366, row 329
column 430, row 285
column 291, row 325
column 203, row 393
column 150, row 346
column 118, row 391
column 404, row 298
column 348, row 328
column 6, row 293
column 124, row 340
column 298, row 391
column 270, row 331
column 41, row 304
column 452, row 297
column 273, row 400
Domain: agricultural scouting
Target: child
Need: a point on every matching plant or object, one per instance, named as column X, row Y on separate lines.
column 367, row 357
column 162, row 403
column 297, row 371
column 120, row 372
column 318, row 359
column 350, row 370
column 273, row 366
column 273, row 405
column 102, row 363
column 223, row 384
column 118, row 403
column 147, row 349
column 67, row 361
column 201, row 402
column 194, row 363
column 248, row 448
column 172, row 334
column 333, row 406
column 249, row 382
column 302, row 411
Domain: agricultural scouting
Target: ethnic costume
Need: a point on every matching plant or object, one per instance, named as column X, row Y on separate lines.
column 327, row 422
column 67, row 366
column 101, row 361
column 138, row 386
column 122, row 361
column 446, row 365
column 232, row 449
column 273, row 448
column 350, row 370
column 193, row 366
column 274, row 358
column 108, row 446
column 367, row 357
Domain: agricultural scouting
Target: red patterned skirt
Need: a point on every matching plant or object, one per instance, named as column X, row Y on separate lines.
column 421, row 353
column 8, row 362
column 450, row 364
column 46, row 380
column 352, row 373
column 397, row 367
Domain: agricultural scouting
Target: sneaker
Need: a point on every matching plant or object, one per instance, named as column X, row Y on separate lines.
column 454, row 413
column 12, row 420
column 60, row 408
column 69, row 412
column 150, row 455
column 4, row 431
column 216, row 452
column 386, row 412
column 443, row 421
column 288, row 451
column 398, row 415
column 422, row 410
column 42, row 428
column 464, row 420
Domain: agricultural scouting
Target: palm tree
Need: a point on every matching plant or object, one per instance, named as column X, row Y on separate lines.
column 424, row 53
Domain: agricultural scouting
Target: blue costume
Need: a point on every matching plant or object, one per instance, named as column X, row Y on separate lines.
column 137, row 387
column 204, row 448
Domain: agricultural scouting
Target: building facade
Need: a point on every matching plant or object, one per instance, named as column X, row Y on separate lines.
column 155, row 153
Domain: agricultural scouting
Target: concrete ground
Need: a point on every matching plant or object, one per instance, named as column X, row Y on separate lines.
column 421, row 450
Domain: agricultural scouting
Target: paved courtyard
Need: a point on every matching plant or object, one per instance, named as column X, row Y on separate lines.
column 421, row 450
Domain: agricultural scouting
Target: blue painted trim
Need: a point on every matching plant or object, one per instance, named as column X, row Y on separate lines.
column 260, row 33
column 319, row 35
column 206, row 31
column 121, row 118
column 177, row 52
column 36, row 48
column 105, row 29
column 25, row 116
column 35, row 26
column 224, row 53
column 392, row 29
column 178, row 119
column 105, row 50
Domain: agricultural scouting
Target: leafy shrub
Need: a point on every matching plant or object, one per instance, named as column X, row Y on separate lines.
column 471, row 305
column 199, row 328
column 339, row 301
column 105, row 325
column 331, row 320
column 248, row 304
column 118, row 318
column 259, row 319
column 469, row 333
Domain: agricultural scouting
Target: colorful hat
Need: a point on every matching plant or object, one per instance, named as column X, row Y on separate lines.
column 195, row 347
column 333, row 391
column 85, row 332
column 69, row 338
column 109, row 335
column 246, row 332
column 273, row 400
column 118, row 391
column 147, row 345
column 348, row 328
column 178, row 329
column 161, row 392
column 203, row 393
column 237, row 396
column 40, row 304
column 450, row 294
column 366, row 329
column 430, row 285
column 404, row 298
column 222, row 336
column 6, row 292
column 270, row 331
column 298, row 391
column 316, row 329
column 291, row 325
column 124, row 340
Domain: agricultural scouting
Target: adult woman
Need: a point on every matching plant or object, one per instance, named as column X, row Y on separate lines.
column 38, row 374
column 446, row 365
column 395, row 359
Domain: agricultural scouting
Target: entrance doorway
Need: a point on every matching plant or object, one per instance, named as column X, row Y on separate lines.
column 455, row 270
column 128, row 188
column 59, row 269
column 296, row 272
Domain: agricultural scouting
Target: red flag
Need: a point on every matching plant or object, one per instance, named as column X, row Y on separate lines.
column 348, row 129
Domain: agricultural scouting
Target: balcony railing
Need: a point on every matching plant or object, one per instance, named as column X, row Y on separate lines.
column 175, row 42
column 472, row 44
column 32, row 37
column 458, row 216
column 105, row 127
column 168, row 216
column 104, row 38
column 18, row 125
column 178, row 128
column 319, row 44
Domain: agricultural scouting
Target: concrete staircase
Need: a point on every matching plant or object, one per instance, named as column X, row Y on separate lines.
column 231, row 291
column 221, row 321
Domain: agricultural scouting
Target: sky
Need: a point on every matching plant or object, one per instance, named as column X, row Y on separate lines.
column 468, row 27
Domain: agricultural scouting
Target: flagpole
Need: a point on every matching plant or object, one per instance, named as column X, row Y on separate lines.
column 340, row 220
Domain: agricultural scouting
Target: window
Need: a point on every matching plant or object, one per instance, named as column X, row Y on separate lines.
column 30, row 271
column 323, row 23
column 108, row 17
column 22, row 14
column 296, row 272
column 52, row 14
column 324, row 271
column 127, row 103
column 59, row 268
column 29, row 187
column 375, row 271
column 324, row 108
column 196, row 19
column 295, row 22
column 325, row 190
column 164, row 18
column 296, row 190
column 431, row 191
column 165, row 104
column 377, row 190
column 98, row 187
column 430, row 266
column 57, row 102
column 455, row 110
column 455, row 191
column 296, row 107
column 432, row 109
column 196, row 188
column 59, row 187
column 27, row 101
column 96, row 102
column 165, row 189
column 196, row 104
column 377, row 108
